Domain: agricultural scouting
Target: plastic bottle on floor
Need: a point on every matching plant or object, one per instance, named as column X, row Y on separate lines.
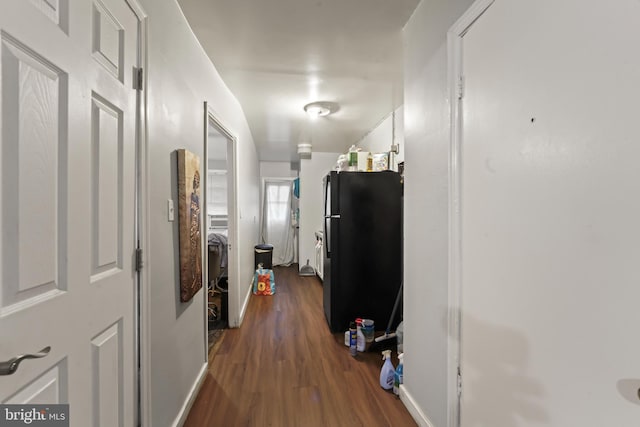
column 360, row 342
column 353, row 339
column 387, row 372
column 398, row 376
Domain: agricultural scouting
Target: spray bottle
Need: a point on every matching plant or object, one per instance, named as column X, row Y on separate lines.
column 398, row 377
column 387, row 372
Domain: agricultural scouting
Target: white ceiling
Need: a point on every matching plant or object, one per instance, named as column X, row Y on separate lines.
column 278, row 55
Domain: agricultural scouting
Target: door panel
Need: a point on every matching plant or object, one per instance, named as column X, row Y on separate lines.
column 108, row 383
column 107, row 188
column 55, row 10
column 550, row 208
column 33, row 118
column 67, row 215
column 107, row 38
column 48, row 388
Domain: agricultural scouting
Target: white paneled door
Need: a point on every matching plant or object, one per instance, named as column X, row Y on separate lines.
column 550, row 215
column 67, row 213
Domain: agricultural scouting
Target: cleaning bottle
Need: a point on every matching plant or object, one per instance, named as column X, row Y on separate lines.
column 353, row 158
column 398, row 377
column 360, row 342
column 387, row 372
column 353, row 340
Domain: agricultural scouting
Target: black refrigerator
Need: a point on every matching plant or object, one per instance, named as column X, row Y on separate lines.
column 363, row 247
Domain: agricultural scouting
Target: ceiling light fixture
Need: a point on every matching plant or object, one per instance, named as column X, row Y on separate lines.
column 320, row 109
column 304, row 150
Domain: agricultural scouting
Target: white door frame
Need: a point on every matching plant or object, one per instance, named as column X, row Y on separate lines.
column 263, row 185
column 143, row 307
column 456, row 94
column 234, row 295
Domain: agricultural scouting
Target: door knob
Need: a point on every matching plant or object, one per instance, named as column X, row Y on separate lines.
column 8, row 367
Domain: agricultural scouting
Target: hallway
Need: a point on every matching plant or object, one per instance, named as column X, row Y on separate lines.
column 284, row 368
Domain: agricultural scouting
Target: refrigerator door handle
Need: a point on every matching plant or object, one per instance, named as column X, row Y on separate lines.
column 328, row 233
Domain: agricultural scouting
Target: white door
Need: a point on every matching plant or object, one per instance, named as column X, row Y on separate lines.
column 67, row 162
column 550, row 205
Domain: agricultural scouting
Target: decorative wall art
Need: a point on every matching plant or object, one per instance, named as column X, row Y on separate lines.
column 189, row 224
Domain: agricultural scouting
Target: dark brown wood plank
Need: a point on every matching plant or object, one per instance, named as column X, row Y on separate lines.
column 283, row 367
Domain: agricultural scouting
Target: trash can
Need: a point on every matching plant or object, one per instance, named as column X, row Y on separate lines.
column 263, row 254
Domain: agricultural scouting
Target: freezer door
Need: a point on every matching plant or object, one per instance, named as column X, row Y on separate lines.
column 330, row 192
column 326, row 193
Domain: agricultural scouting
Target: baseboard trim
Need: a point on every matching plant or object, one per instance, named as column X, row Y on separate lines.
column 414, row 409
column 243, row 311
column 193, row 393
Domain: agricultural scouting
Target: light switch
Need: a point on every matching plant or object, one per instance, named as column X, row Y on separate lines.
column 170, row 210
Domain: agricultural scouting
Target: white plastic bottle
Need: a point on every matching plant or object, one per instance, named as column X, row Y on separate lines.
column 360, row 342
column 387, row 372
column 398, row 377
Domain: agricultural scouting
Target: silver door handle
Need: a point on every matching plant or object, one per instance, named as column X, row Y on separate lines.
column 8, row 367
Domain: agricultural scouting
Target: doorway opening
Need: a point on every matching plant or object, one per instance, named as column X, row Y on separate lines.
column 219, row 226
column 279, row 218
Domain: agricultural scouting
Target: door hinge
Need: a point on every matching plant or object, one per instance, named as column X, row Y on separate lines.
column 459, row 382
column 460, row 86
column 138, row 259
column 138, row 79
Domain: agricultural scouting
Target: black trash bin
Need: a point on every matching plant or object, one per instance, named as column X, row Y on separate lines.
column 263, row 255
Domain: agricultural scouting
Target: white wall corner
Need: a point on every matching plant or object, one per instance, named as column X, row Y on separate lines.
column 416, row 412
column 191, row 397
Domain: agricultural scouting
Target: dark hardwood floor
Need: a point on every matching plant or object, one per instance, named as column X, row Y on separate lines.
column 283, row 367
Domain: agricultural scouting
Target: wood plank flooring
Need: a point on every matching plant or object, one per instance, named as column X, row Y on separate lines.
column 283, row 367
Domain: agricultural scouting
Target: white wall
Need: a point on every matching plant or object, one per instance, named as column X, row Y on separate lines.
column 379, row 139
column 180, row 79
column 311, row 204
column 427, row 131
column 278, row 170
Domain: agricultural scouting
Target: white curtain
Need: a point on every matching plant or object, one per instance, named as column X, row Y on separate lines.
column 277, row 227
